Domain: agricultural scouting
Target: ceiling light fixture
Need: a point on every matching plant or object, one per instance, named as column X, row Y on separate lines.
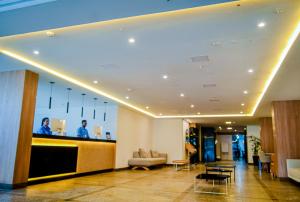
column 95, row 82
column 229, row 128
column 181, row 95
column 261, row 24
column 36, row 52
column 245, row 92
column 127, row 97
column 131, row 40
column 243, row 104
column 241, row 112
column 290, row 39
column 250, row 71
column 198, row 113
column 147, row 107
column 160, row 114
column 228, row 122
column 192, row 106
column 50, row 33
column 165, row 76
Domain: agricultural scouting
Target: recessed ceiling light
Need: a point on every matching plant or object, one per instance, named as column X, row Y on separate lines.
column 198, row 113
column 50, row 33
column 245, row 92
column 181, row 95
column 243, row 104
column 261, row 24
column 229, row 128
column 241, row 112
column 127, row 97
column 235, row 130
column 36, row 52
column 165, row 76
column 192, row 106
column 160, row 114
column 131, row 40
column 250, row 70
column 220, row 128
column 95, row 82
column 147, row 107
column 129, row 89
column 228, row 122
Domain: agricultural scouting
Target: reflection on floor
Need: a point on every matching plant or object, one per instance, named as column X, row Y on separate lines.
column 163, row 184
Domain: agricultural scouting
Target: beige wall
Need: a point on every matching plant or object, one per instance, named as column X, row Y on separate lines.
column 168, row 137
column 226, row 139
column 252, row 130
column 134, row 131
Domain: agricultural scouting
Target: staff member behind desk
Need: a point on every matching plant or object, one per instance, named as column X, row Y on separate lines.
column 45, row 129
column 82, row 132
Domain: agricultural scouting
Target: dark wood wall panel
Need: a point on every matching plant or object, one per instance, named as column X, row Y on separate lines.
column 286, row 125
column 266, row 134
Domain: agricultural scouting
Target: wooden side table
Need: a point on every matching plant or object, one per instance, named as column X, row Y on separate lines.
column 180, row 163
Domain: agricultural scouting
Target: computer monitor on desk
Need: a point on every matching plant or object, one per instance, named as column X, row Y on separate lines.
column 58, row 126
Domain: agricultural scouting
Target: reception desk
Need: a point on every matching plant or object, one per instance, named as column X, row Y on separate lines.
column 57, row 156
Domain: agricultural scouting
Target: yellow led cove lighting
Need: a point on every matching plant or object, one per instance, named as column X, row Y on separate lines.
column 281, row 58
column 290, row 41
column 72, row 80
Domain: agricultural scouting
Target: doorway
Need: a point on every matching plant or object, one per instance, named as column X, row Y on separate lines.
column 239, row 147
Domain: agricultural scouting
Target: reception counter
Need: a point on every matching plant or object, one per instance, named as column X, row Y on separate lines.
column 57, row 156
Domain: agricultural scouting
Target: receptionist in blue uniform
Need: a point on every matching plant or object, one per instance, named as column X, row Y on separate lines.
column 45, row 129
column 82, row 132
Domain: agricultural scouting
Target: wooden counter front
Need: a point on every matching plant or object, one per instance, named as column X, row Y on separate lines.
column 92, row 155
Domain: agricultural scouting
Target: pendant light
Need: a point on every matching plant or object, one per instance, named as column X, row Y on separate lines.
column 104, row 116
column 82, row 104
column 50, row 99
column 94, row 115
column 68, row 97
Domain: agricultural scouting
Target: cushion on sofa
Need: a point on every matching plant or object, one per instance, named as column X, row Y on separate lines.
column 136, row 154
column 154, row 154
column 146, row 161
column 144, row 154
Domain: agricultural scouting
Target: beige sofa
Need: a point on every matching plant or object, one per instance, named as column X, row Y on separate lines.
column 143, row 159
column 293, row 169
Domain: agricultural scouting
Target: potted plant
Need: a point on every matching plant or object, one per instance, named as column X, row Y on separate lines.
column 255, row 148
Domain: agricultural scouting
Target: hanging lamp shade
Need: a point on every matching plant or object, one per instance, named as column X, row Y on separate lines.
column 82, row 104
column 94, row 114
column 50, row 98
column 68, row 99
column 104, row 115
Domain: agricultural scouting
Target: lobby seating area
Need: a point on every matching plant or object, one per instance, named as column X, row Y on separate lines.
column 149, row 101
column 163, row 184
column 146, row 160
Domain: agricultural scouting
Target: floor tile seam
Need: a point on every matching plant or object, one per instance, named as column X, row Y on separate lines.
column 268, row 191
column 89, row 193
column 184, row 193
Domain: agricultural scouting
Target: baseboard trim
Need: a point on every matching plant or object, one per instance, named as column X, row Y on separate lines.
column 283, row 179
column 12, row 186
column 120, row 169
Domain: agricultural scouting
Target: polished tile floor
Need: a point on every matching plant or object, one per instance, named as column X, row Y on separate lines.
column 162, row 184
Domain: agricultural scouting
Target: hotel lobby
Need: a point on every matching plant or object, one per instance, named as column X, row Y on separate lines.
column 149, row 100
